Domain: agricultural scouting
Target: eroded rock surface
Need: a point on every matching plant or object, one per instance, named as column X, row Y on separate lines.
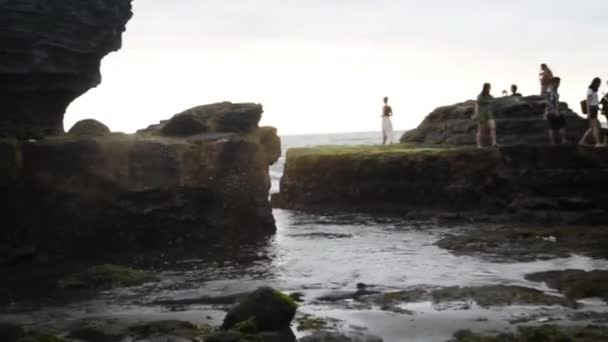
column 96, row 195
column 50, row 55
column 524, row 183
column 519, row 120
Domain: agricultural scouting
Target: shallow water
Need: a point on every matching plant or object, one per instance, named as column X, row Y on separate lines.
column 317, row 255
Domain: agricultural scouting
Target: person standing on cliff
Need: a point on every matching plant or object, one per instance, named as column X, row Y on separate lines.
column 514, row 90
column 545, row 76
column 554, row 117
column 387, row 125
column 485, row 116
column 593, row 108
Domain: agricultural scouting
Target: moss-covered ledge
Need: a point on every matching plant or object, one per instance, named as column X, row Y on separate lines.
column 523, row 179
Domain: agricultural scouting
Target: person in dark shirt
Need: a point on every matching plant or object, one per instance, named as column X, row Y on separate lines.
column 554, row 117
column 514, row 90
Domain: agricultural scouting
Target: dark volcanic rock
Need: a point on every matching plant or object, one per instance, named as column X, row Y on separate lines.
column 89, row 127
column 214, row 118
column 519, row 120
column 540, row 183
column 529, row 243
column 99, row 195
column 268, row 309
column 575, row 284
column 50, row 54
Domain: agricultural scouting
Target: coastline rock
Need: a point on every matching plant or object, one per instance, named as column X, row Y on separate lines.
column 96, row 195
column 50, row 55
column 266, row 309
column 212, row 118
column 575, row 284
column 89, row 127
column 563, row 180
column 528, row 243
column 519, row 120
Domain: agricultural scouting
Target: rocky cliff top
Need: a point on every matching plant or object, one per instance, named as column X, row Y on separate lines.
column 519, row 120
column 50, row 54
column 223, row 117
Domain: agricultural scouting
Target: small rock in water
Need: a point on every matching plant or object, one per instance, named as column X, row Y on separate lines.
column 270, row 309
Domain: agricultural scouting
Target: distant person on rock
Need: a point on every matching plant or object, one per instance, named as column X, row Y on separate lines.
column 593, row 108
column 555, row 118
column 387, row 125
column 485, row 116
column 545, row 77
column 514, row 90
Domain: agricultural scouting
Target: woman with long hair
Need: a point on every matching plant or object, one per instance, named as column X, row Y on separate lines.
column 484, row 115
column 593, row 108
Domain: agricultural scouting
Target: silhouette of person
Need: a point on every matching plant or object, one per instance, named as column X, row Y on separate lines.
column 484, row 115
column 554, row 117
column 593, row 106
column 514, row 90
column 387, row 125
column 545, row 76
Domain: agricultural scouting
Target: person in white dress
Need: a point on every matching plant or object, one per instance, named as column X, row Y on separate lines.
column 387, row 125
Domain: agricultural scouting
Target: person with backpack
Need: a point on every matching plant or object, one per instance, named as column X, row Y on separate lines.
column 545, row 76
column 387, row 125
column 593, row 107
column 485, row 116
column 554, row 117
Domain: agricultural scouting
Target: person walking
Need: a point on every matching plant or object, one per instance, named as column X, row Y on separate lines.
column 593, row 108
column 485, row 116
column 554, row 117
column 387, row 125
column 545, row 76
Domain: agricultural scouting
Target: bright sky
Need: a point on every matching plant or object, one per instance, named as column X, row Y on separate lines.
column 324, row 65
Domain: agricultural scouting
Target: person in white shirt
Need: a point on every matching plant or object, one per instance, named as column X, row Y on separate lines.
column 387, row 125
column 593, row 109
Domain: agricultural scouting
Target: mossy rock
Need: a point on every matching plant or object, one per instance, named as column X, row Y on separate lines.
column 92, row 330
column 231, row 336
column 310, row 323
column 107, row 276
column 170, row 327
column 89, row 127
column 272, row 310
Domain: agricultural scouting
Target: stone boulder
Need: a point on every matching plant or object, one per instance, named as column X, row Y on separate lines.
column 123, row 193
column 89, row 127
column 267, row 309
column 519, row 120
column 224, row 117
column 50, row 55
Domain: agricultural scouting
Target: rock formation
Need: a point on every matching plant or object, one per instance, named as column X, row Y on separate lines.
column 95, row 194
column 50, row 55
column 519, row 120
column 561, row 183
column 89, row 127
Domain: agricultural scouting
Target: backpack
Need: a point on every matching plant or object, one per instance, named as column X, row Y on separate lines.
column 584, row 107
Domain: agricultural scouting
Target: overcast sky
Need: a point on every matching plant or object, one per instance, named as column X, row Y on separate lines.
column 324, row 65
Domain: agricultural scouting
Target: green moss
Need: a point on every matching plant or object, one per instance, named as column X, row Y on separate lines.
column 286, row 299
column 365, row 150
column 247, row 327
column 107, row 276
